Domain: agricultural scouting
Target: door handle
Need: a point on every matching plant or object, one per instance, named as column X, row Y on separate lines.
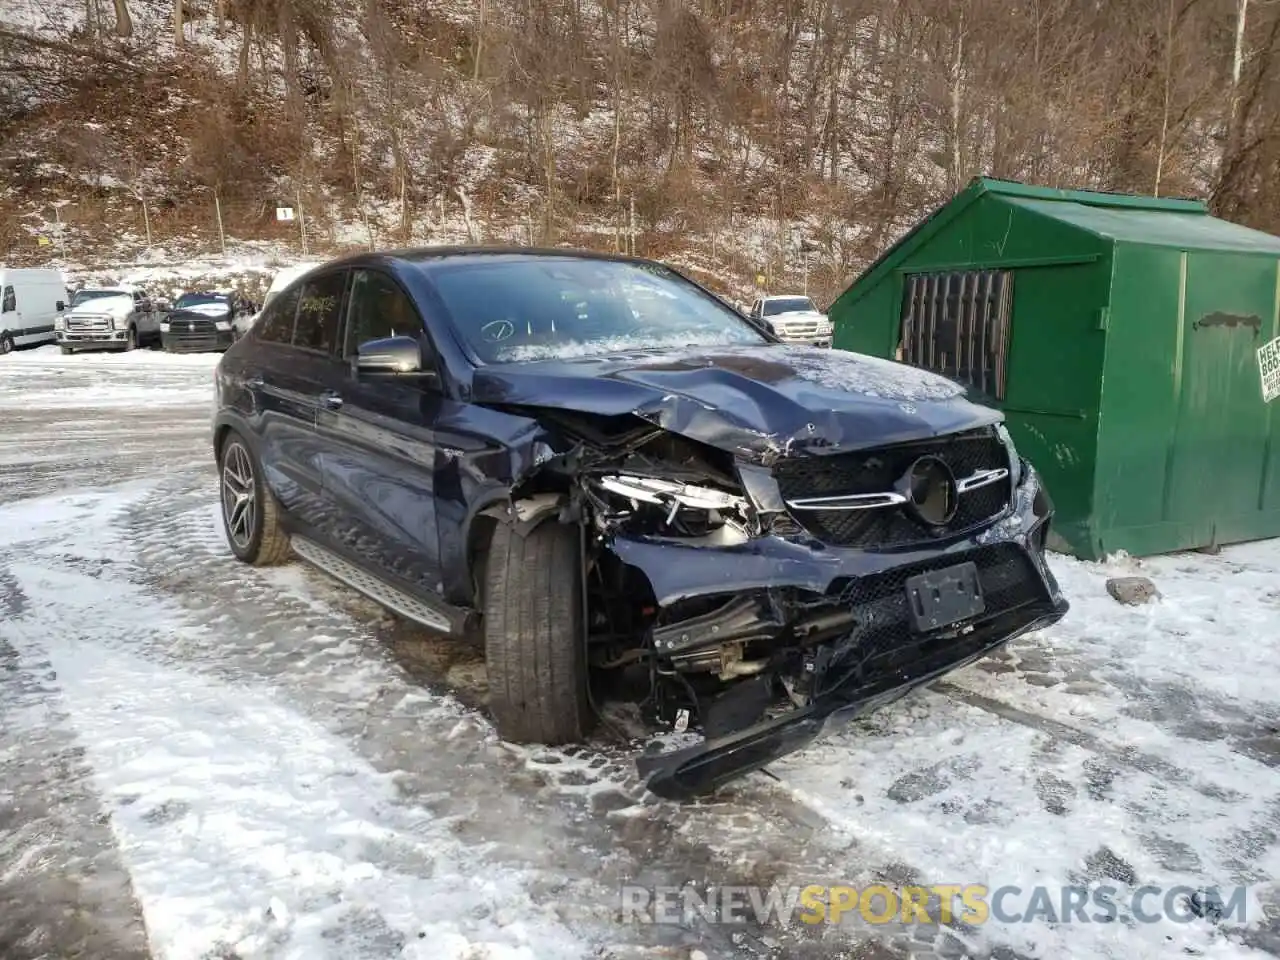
column 330, row 400
column 255, row 383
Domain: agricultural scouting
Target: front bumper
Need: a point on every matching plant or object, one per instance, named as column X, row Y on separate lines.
column 806, row 341
column 100, row 339
column 890, row 666
column 197, row 342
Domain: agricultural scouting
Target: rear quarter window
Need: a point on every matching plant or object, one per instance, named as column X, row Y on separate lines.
column 320, row 313
column 276, row 323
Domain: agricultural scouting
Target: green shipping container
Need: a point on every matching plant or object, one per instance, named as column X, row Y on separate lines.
column 1119, row 334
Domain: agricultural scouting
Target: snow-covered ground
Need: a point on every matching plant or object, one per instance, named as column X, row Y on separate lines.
column 201, row 760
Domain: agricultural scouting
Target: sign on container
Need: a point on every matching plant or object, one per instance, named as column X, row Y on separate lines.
column 1269, row 368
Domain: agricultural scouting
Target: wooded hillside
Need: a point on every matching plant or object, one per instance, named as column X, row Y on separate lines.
column 733, row 128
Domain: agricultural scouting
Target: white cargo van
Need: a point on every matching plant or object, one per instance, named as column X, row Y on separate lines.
column 29, row 302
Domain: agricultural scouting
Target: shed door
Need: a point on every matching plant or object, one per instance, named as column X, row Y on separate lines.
column 1219, row 445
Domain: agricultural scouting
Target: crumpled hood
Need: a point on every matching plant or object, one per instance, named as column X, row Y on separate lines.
column 120, row 306
column 759, row 402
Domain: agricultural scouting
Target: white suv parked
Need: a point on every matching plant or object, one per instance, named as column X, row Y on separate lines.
column 793, row 319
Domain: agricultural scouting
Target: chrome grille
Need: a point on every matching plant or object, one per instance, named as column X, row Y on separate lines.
column 194, row 327
column 88, row 324
column 796, row 329
column 869, row 472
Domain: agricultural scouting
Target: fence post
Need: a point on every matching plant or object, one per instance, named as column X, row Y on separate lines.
column 222, row 237
column 302, row 222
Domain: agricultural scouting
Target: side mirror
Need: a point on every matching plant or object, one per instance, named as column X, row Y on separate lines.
column 394, row 356
column 59, row 305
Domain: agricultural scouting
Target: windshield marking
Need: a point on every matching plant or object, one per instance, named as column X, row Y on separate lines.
column 539, row 310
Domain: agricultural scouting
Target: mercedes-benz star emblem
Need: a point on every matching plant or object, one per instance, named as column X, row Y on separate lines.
column 930, row 489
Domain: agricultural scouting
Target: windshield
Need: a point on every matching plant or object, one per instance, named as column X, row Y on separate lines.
column 84, row 296
column 787, row 305
column 542, row 309
column 192, row 299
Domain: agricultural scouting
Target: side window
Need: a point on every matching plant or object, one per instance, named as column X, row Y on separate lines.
column 10, row 302
column 378, row 309
column 320, row 313
column 276, row 323
column 957, row 324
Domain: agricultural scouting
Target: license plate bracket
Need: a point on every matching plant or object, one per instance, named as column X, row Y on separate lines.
column 943, row 597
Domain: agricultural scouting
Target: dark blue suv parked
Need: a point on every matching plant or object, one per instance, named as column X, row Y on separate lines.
column 633, row 493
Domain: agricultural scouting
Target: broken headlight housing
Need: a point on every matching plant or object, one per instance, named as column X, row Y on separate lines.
column 1015, row 461
column 672, row 508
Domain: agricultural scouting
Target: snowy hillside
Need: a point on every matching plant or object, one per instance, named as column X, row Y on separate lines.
column 715, row 134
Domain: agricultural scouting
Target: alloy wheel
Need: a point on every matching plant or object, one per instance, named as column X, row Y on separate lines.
column 239, row 496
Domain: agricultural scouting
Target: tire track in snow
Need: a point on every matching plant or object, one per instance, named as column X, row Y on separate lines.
column 37, row 457
column 1128, row 756
column 63, row 888
column 247, row 828
column 298, row 629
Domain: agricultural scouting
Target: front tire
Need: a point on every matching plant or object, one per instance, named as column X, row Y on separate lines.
column 250, row 514
column 533, row 635
column 66, row 351
column 131, row 341
column 6, row 343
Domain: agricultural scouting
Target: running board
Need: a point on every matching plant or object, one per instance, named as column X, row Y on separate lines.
column 434, row 617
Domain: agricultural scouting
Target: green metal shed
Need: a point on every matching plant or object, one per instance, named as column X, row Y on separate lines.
column 1119, row 334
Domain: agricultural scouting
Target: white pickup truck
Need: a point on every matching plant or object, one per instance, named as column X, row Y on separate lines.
column 108, row 318
column 793, row 319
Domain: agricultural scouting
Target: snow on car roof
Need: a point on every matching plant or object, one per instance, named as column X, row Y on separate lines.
column 123, row 288
column 287, row 275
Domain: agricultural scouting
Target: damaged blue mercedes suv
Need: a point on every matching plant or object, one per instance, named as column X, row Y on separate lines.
column 642, row 501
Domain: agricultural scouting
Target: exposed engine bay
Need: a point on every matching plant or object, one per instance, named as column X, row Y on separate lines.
column 719, row 601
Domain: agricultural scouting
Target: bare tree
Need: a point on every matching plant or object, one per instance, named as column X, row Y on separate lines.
column 141, row 186
column 847, row 120
column 124, row 22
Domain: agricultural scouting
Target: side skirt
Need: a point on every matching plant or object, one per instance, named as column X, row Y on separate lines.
column 439, row 616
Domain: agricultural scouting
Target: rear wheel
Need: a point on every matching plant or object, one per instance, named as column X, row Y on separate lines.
column 533, row 635
column 250, row 514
